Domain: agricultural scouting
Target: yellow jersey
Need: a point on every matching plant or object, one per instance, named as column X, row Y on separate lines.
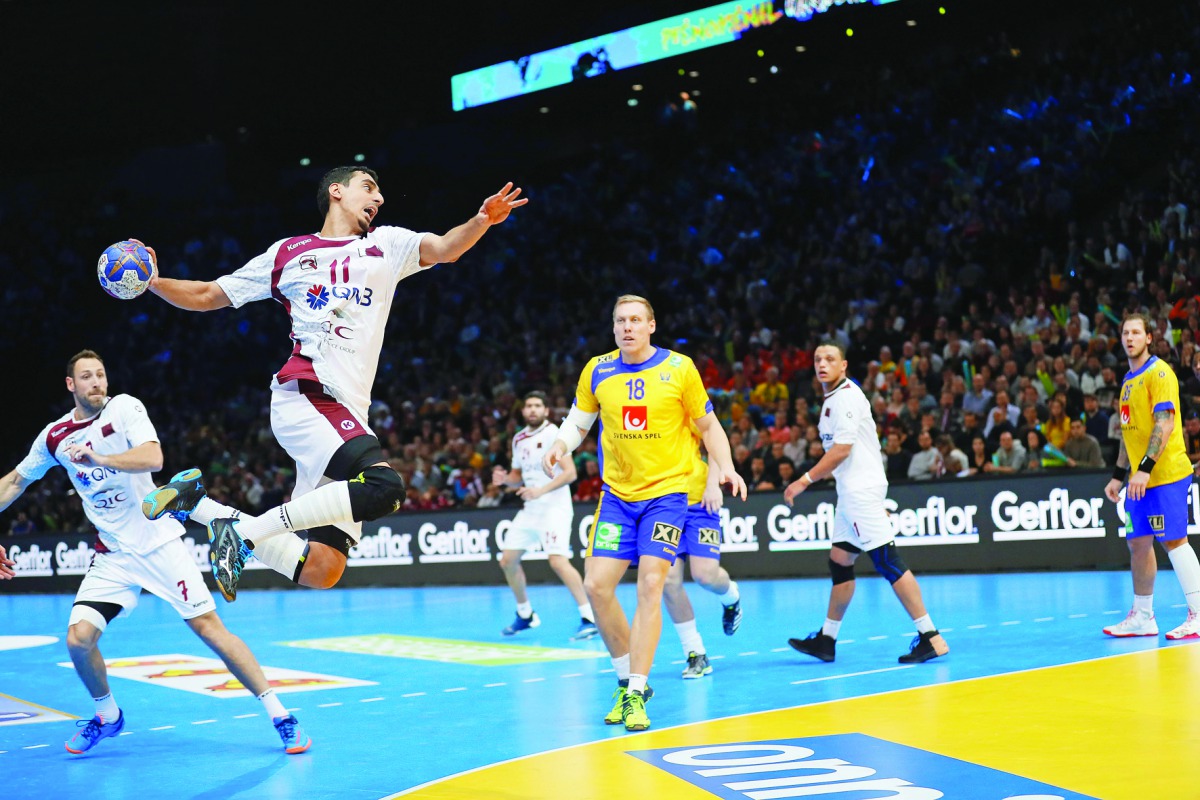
column 698, row 480
column 646, row 447
column 1151, row 388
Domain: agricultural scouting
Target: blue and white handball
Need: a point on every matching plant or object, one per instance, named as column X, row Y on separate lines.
column 125, row 270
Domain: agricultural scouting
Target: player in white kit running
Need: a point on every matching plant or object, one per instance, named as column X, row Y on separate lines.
column 861, row 523
column 109, row 447
column 545, row 520
column 337, row 287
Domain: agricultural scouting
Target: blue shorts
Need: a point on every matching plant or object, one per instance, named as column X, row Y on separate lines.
column 701, row 533
column 643, row 528
column 1162, row 512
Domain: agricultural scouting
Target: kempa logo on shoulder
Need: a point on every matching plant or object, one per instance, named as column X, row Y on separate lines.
column 382, row 549
column 1056, row 517
column 300, row 243
column 32, row 563
column 460, row 543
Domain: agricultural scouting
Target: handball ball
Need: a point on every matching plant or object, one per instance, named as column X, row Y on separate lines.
column 125, row 270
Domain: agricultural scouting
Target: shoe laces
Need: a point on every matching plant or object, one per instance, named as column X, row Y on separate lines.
column 287, row 727
column 91, row 729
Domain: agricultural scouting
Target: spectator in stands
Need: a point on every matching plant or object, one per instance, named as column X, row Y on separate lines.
column 1081, row 448
column 926, row 464
column 589, row 486
column 22, row 525
column 954, row 462
column 770, row 390
column 1057, row 428
column 1002, row 411
column 1010, row 456
column 978, row 460
column 1191, row 437
column 896, row 459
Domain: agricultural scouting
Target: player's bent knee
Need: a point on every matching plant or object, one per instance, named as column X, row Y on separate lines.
column 375, row 493
column 82, row 636
column 888, row 562
column 840, row 572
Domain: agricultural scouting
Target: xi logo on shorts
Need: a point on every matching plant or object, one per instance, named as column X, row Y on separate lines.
column 665, row 533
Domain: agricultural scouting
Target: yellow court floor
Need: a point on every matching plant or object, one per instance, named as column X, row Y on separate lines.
column 1123, row 727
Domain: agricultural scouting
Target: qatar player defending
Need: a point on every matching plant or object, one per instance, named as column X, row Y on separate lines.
column 545, row 520
column 645, row 397
column 1156, row 500
column 337, row 286
column 860, row 522
column 109, row 447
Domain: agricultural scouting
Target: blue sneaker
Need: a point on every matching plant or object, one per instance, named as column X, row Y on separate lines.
column 587, row 630
column 92, row 732
column 522, row 624
column 295, row 740
column 731, row 618
column 227, row 552
column 178, row 498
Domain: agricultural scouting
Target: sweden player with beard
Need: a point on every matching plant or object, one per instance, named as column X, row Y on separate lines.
column 645, row 397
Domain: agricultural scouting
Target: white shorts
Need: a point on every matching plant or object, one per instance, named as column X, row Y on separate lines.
column 167, row 571
column 311, row 426
column 861, row 519
column 547, row 528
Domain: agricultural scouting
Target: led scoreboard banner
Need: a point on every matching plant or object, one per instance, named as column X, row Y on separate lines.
column 707, row 27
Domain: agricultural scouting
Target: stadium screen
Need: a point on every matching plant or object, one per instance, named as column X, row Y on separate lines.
column 707, row 27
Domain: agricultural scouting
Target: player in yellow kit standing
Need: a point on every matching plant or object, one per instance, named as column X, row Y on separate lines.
column 645, row 396
column 1156, row 499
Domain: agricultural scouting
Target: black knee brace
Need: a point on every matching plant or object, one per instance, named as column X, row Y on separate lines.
column 888, row 562
column 840, row 572
column 375, row 493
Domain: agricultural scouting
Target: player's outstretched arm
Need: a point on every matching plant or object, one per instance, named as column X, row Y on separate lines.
column 450, row 246
column 146, row 457
column 720, row 459
column 564, row 478
column 188, row 295
column 12, row 486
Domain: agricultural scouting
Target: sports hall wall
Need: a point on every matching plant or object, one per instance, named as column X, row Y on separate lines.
column 1037, row 522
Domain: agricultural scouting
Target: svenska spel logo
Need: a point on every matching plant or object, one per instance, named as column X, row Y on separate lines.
column 633, row 418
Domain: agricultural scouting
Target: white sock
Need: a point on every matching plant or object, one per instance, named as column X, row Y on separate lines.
column 106, row 708
column 325, row 505
column 208, row 509
column 282, row 554
column 1187, row 570
column 637, row 683
column 585, row 612
column 831, row 627
column 1144, row 604
column 525, row 610
column 731, row 595
column 621, row 665
column 271, row 703
column 924, row 624
column 689, row 637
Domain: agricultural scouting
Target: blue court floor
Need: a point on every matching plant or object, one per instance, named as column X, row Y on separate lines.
column 400, row 688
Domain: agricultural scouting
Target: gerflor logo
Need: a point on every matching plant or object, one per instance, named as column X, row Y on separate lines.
column 1055, row 517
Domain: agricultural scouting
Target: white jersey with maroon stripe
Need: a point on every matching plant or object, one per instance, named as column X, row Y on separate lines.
column 111, row 499
column 528, row 447
column 846, row 419
column 338, row 293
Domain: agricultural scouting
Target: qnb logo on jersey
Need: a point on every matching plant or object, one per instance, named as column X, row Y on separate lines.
column 634, row 418
column 460, row 543
column 317, row 296
column 933, row 523
column 1055, row 517
column 33, row 562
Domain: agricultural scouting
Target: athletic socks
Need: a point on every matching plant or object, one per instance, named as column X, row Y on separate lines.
column 271, row 703
column 525, row 610
column 832, row 626
column 1144, row 604
column 106, row 709
column 731, row 595
column 325, row 505
column 1187, row 570
column 637, row 683
column 621, row 665
column 924, row 624
column 282, row 554
column 585, row 612
column 208, row 509
column 689, row 637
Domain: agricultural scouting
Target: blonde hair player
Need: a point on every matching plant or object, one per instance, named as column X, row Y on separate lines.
column 860, row 522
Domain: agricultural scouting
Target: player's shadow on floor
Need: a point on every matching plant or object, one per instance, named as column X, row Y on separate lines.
column 248, row 784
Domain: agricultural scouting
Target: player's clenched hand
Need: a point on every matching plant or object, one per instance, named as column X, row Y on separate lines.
column 497, row 207
column 82, row 454
column 153, row 258
column 499, row 475
column 1137, row 485
column 553, row 456
column 528, row 493
column 6, row 565
column 1113, row 490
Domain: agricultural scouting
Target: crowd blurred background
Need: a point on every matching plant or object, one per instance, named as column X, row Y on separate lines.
column 970, row 228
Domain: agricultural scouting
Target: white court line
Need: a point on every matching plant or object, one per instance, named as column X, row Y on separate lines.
column 852, row 674
column 125, row 733
column 328, row 705
column 975, row 627
column 533, row 680
column 1044, row 619
column 456, row 689
column 749, row 653
column 715, row 658
column 34, row 746
column 371, row 699
column 1012, row 622
column 163, row 728
column 603, row 671
column 245, row 716
column 413, row 694
column 489, row 686
column 947, row 630
column 845, row 641
column 204, row 722
column 780, row 649
column 875, row 638
column 1114, row 612
column 1076, row 616
column 572, row 675
column 673, row 663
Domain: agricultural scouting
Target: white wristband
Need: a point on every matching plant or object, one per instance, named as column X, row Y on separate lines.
column 576, row 420
column 569, row 435
column 809, row 477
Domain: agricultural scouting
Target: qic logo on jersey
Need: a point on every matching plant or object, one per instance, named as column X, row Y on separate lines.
column 308, row 263
column 317, row 296
column 633, row 418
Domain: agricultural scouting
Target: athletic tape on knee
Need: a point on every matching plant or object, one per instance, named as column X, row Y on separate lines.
column 375, row 493
column 87, row 614
column 888, row 562
column 840, row 572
